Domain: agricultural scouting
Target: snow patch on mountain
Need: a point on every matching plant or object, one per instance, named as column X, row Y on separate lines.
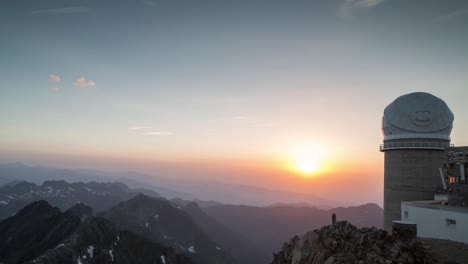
column 191, row 249
column 111, row 254
column 90, row 250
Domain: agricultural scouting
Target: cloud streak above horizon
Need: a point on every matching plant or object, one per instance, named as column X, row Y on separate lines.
column 138, row 127
column 158, row 133
column 150, row 3
column 65, row 10
column 454, row 15
column 349, row 8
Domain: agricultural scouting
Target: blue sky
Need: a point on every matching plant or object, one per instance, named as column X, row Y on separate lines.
column 221, row 80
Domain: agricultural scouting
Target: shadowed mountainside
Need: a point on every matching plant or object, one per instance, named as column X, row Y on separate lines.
column 55, row 237
column 268, row 227
column 240, row 247
column 157, row 220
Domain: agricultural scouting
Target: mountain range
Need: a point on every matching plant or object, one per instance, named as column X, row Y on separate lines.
column 63, row 195
column 55, row 237
column 204, row 231
column 168, row 187
column 157, row 220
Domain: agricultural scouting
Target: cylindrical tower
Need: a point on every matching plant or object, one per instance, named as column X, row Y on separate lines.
column 416, row 129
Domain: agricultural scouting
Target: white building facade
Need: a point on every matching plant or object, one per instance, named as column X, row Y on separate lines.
column 436, row 220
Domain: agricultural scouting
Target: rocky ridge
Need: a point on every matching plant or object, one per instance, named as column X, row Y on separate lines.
column 344, row 243
column 73, row 236
column 158, row 221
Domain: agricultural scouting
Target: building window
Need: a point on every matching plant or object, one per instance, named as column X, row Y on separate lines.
column 453, row 179
column 450, row 222
column 405, row 214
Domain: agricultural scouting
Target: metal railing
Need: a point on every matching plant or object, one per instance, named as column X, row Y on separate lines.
column 415, row 145
column 458, row 157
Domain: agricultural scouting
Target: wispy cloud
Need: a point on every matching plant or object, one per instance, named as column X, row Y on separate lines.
column 158, row 133
column 55, row 78
column 83, row 83
column 239, row 117
column 349, row 8
column 138, row 127
column 453, row 15
column 150, row 3
column 64, row 10
column 55, row 89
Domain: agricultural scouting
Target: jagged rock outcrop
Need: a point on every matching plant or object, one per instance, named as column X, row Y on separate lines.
column 344, row 243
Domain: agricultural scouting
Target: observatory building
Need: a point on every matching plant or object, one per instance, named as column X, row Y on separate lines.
column 416, row 129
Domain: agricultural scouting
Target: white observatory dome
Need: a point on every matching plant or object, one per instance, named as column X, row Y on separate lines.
column 417, row 116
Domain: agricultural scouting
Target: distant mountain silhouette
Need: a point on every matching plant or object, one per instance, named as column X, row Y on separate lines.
column 20, row 172
column 40, row 233
column 168, row 187
column 100, row 196
column 325, row 207
column 182, row 203
column 268, row 227
column 12, row 173
column 157, row 220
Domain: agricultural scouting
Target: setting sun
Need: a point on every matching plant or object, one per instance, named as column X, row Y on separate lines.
column 304, row 159
column 307, row 166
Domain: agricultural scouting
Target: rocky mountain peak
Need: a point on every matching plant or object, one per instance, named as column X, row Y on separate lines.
column 157, row 220
column 344, row 243
column 56, row 184
column 38, row 209
column 192, row 206
column 81, row 210
column 41, row 234
column 141, row 197
column 24, row 185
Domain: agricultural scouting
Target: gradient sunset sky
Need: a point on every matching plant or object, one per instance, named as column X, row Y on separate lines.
column 224, row 90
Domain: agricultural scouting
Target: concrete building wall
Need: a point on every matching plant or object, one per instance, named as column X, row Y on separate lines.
column 410, row 175
column 437, row 222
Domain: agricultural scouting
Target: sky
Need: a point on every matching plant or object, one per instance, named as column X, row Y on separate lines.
column 232, row 91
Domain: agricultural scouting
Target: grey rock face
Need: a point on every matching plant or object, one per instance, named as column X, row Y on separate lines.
column 344, row 243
